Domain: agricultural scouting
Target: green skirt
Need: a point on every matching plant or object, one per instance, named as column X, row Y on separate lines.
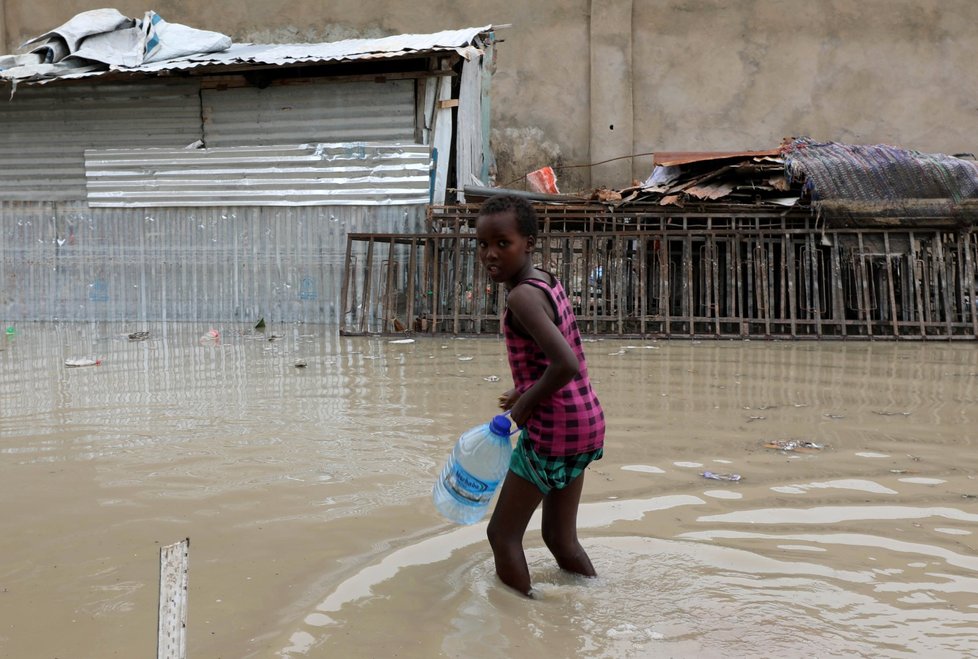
column 548, row 472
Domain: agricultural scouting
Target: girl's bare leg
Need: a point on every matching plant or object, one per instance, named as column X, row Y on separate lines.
column 518, row 498
column 560, row 528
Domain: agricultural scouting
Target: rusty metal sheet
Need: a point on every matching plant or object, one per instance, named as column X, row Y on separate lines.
column 666, row 158
column 710, row 190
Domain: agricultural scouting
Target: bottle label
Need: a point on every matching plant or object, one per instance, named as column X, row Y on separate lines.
column 466, row 488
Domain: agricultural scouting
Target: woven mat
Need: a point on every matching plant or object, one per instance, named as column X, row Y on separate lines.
column 831, row 170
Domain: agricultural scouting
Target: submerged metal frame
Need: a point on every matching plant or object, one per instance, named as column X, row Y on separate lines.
column 668, row 274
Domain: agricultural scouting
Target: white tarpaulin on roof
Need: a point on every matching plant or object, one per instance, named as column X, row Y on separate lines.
column 152, row 45
column 101, row 39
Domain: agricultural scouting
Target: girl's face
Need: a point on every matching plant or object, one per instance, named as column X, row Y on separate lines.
column 503, row 250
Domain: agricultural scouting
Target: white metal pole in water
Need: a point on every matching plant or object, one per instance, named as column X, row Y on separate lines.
column 174, row 564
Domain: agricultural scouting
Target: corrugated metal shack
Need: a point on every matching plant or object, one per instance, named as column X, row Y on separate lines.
column 810, row 240
column 222, row 186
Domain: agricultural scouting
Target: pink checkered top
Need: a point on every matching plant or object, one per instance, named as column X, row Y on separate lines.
column 571, row 421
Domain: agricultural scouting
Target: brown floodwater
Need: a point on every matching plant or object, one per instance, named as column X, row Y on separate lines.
column 305, row 493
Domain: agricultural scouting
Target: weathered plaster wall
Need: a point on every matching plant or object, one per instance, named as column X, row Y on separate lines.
column 721, row 75
column 667, row 74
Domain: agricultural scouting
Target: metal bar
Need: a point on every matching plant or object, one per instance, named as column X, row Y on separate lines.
column 792, row 277
column 501, row 305
column 915, row 268
column 389, row 289
column 367, row 280
column 172, row 622
column 942, row 281
column 764, row 263
column 743, row 303
column 928, row 279
column 618, row 298
column 456, row 286
column 435, row 283
column 478, row 292
column 890, row 286
column 546, row 252
column 714, row 283
column 687, row 284
column 970, row 274
column 783, row 276
column 752, row 306
column 817, row 306
column 665, row 293
column 838, row 294
column 643, row 309
column 345, row 288
column 865, row 310
column 412, row 265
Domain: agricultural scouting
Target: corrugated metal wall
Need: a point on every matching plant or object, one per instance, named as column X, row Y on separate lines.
column 69, row 262
column 310, row 111
column 44, row 131
column 61, row 259
column 301, row 175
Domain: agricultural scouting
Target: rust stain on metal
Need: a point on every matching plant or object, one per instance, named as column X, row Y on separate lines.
column 669, row 158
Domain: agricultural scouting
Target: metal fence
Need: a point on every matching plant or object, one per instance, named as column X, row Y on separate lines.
column 66, row 261
column 697, row 275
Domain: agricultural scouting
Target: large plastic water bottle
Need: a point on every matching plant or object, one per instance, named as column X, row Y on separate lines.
column 474, row 469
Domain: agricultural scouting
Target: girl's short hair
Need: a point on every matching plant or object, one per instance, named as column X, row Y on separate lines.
column 526, row 217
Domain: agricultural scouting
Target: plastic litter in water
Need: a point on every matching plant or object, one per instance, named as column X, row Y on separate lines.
column 82, row 361
column 794, row 445
column 721, row 477
column 402, row 341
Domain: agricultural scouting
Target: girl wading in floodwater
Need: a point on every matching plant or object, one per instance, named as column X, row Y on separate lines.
column 552, row 402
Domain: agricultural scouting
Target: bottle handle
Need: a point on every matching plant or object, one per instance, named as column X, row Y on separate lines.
column 513, row 428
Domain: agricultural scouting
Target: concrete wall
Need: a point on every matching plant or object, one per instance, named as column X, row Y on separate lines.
column 579, row 81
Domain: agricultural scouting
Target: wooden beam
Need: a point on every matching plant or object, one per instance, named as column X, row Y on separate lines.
column 174, row 576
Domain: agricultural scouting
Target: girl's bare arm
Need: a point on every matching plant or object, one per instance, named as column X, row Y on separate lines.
column 532, row 310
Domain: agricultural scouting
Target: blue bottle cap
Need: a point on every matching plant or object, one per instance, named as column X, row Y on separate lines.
column 500, row 425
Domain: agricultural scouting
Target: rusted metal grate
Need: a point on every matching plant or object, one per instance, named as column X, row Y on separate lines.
column 702, row 275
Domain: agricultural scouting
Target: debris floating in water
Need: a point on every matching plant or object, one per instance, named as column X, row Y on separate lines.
column 721, row 477
column 399, row 341
column 491, row 378
column 138, row 336
column 212, row 336
column 794, row 445
column 82, row 361
column 300, row 363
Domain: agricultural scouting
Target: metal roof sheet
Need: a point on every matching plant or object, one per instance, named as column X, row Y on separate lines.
column 460, row 41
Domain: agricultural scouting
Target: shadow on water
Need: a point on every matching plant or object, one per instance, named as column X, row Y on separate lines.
column 300, row 464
